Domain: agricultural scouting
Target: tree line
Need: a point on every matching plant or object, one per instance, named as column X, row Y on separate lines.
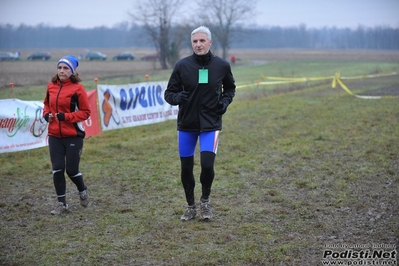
column 160, row 24
column 45, row 37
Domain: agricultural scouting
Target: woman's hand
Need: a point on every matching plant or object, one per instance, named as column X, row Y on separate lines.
column 49, row 117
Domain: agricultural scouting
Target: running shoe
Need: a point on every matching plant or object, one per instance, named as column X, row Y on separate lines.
column 205, row 210
column 190, row 213
column 84, row 198
column 60, row 208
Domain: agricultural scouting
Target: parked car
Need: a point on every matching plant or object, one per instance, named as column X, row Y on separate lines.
column 124, row 56
column 154, row 56
column 9, row 56
column 96, row 56
column 39, row 56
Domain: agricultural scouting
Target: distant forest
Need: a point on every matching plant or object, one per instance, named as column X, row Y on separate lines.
column 45, row 37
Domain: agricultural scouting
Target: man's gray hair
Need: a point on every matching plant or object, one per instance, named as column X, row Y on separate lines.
column 203, row 29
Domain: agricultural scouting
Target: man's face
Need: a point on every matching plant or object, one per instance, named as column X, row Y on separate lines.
column 200, row 43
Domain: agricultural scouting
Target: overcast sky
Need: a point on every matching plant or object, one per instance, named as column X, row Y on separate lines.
column 312, row 13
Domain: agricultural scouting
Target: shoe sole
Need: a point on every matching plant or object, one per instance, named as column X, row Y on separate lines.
column 184, row 219
column 58, row 213
column 206, row 217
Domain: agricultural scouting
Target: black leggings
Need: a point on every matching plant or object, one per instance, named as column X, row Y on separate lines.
column 206, row 177
column 65, row 156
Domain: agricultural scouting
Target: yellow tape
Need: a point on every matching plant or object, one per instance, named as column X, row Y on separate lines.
column 343, row 86
column 335, row 79
column 334, row 82
column 266, row 83
column 371, row 76
column 246, row 85
column 304, row 79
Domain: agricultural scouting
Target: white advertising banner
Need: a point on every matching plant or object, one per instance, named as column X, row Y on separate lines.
column 22, row 126
column 132, row 105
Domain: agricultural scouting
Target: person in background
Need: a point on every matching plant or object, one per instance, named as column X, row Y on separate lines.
column 203, row 86
column 66, row 106
column 233, row 59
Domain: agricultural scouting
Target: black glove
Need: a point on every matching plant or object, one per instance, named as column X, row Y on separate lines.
column 60, row 116
column 46, row 116
column 221, row 108
column 182, row 97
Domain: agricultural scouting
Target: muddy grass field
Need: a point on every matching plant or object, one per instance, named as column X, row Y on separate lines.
column 301, row 171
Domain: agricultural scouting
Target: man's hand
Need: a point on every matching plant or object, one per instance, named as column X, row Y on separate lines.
column 221, row 108
column 182, row 97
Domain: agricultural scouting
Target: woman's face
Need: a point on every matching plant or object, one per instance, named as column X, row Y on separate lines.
column 64, row 72
column 200, row 43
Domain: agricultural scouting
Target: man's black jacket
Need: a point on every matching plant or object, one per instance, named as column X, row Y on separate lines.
column 199, row 112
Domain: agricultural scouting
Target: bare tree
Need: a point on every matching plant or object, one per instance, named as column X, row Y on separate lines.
column 223, row 15
column 157, row 18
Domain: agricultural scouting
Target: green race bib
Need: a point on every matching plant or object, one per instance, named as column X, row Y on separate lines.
column 203, row 76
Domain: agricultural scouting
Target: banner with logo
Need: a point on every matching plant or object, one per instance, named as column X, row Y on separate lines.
column 92, row 124
column 22, row 126
column 132, row 105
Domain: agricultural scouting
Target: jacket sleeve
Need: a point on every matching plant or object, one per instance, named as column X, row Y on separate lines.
column 229, row 87
column 83, row 111
column 46, row 103
column 173, row 87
